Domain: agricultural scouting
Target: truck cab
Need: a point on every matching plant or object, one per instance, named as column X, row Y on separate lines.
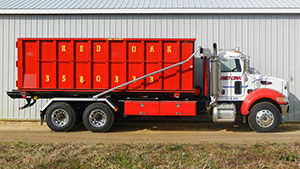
column 249, row 90
column 238, row 79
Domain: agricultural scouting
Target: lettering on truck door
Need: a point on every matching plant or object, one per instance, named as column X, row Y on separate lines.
column 232, row 80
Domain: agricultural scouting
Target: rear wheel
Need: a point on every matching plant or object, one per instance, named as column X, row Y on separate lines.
column 98, row 117
column 60, row 117
column 264, row 117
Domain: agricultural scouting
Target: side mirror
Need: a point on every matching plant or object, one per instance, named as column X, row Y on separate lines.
column 246, row 65
column 246, row 68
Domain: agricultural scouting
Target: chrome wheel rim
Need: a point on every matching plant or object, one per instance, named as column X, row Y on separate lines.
column 59, row 117
column 97, row 118
column 264, row 118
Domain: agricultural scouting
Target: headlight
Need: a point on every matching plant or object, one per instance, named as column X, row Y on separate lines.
column 282, row 99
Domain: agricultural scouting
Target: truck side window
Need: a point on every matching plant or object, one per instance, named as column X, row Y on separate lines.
column 230, row 65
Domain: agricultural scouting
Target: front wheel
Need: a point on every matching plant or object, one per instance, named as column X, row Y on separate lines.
column 98, row 117
column 264, row 117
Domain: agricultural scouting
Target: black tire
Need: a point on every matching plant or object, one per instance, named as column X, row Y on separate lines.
column 259, row 115
column 98, row 117
column 56, row 115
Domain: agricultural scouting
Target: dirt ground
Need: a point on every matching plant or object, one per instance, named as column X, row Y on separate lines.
column 149, row 132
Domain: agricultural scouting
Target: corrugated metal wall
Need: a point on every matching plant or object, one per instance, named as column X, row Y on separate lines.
column 272, row 41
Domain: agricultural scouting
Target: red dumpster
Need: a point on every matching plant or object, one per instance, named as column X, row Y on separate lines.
column 60, row 64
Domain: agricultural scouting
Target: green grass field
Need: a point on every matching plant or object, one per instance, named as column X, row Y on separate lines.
column 204, row 155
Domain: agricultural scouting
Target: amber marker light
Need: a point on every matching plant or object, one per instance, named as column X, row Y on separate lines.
column 282, row 99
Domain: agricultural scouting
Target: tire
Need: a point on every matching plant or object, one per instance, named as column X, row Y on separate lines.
column 264, row 117
column 60, row 117
column 98, row 117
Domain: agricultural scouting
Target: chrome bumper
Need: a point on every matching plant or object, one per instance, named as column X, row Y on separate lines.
column 284, row 109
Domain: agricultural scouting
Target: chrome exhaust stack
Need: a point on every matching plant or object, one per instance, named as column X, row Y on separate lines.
column 214, row 74
column 214, row 79
column 220, row 113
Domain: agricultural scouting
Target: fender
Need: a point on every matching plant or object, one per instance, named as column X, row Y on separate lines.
column 42, row 112
column 259, row 94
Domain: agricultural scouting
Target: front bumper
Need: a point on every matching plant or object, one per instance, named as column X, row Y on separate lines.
column 284, row 109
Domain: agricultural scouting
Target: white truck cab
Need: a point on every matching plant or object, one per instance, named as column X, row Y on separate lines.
column 237, row 79
column 260, row 98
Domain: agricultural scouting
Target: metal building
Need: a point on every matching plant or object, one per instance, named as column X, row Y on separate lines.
column 267, row 31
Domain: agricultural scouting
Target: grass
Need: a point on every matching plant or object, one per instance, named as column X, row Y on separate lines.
column 204, row 155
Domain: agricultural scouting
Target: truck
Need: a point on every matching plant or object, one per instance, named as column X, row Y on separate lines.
column 97, row 80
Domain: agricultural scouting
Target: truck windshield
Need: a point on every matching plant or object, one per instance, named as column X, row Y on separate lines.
column 230, row 65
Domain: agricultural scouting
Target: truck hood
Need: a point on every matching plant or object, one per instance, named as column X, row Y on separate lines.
column 270, row 82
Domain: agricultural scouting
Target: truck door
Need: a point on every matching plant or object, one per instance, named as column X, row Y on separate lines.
column 232, row 82
column 237, row 80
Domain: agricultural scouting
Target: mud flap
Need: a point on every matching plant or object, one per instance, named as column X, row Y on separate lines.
column 281, row 119
column 42, row 118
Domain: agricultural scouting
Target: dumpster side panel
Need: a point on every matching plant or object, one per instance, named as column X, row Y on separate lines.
column 100, row 65
column 153, row 63
column 187, row 71
column 31, row 64
column 136, row 63
column 83, row 65
column 48, row 65
column 87, row 64
column 66, row 65
column 118, row 72
column 171, row 56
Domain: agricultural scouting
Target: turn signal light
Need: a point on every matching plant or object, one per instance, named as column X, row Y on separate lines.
column 282, row 99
